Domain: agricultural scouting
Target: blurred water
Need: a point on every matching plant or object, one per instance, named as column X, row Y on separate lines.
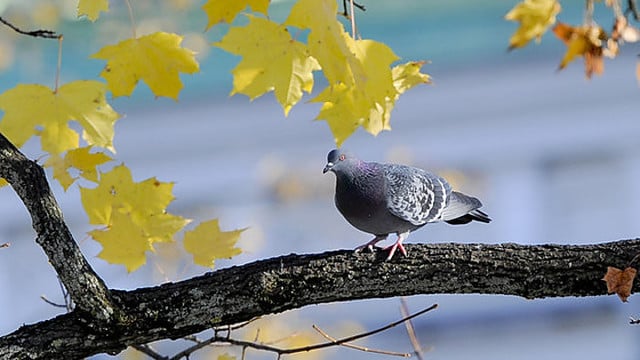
column 554, row 158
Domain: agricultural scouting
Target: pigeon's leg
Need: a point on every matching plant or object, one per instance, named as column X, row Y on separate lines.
column 398, row 245
column 371, row 243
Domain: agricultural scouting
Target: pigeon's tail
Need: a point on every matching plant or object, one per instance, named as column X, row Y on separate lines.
column 463, row 209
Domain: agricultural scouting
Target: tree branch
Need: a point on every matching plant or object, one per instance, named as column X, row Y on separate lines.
column 28, row 179
column 240, row 293
column 47, row 34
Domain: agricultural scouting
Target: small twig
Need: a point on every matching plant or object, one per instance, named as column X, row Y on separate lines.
column 5, row 245
column 280, row 351
column 633, row 9
column 145, row 349
column 353, row 20
column 417, row 349
column 44, row 298
column 361, row 348
column 68, row 302
column 634, row 261
column 59, row 65
column 345, row 13
column 47, row 34
column 588, row 14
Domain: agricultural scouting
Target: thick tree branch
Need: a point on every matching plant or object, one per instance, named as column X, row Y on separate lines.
column 240, row 293
column 28, row 180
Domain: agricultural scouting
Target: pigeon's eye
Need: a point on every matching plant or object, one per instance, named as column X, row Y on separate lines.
column 342, row 157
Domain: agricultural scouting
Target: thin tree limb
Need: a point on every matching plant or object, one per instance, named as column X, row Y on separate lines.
column 358, row 347
column 28, row 179
column 47, row 34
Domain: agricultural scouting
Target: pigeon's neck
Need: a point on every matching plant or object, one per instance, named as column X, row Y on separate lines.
column 362, row 174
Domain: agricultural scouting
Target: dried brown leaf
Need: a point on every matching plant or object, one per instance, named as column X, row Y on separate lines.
column 620, row 281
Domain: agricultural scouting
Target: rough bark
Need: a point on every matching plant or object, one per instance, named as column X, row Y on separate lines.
column 107, row 321
column 240, row 293
column 28, row 179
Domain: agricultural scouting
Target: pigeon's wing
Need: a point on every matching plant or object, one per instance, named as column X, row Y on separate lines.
column 415, row 195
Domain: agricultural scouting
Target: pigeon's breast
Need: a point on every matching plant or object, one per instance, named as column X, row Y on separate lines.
column 365, row 207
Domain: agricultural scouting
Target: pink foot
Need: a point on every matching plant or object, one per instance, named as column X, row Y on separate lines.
column 398, row 245
column 371, row 244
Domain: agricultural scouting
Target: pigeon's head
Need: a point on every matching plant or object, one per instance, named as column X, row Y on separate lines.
column 339, row 160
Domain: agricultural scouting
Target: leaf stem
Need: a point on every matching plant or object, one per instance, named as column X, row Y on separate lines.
column 59, row 65
column 131, row 18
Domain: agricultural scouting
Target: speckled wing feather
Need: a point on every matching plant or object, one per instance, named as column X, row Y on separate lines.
column 415, row 195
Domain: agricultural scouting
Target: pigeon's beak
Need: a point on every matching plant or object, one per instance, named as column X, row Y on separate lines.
column 327, row 167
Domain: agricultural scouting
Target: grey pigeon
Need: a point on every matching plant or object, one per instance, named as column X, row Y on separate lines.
column 381, row 199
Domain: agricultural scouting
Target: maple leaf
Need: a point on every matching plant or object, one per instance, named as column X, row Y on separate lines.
column 361, row 90
column 92, row 8
column 620, row 281
column 365, row 101
column 207, row 243
column 535, row 17
column 123, row 242
column 271, row 60
column 157, row 59
column 586, row 41
column 80, row 159
column 327, row 40
column 144, row 204
column 36, row 109
column 226, row 10
column 408, row 75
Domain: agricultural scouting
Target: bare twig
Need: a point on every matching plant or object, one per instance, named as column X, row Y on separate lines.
column 633, row 9
column 44, row 298
column 588, row 13
column 216, row 339
column 145, row 349
column 357, row 347
column 47, row 34
column 131, row 18
column 353, row 20
column 5, row 245
column 68, row 303
column 345, row 13
column 417, row 349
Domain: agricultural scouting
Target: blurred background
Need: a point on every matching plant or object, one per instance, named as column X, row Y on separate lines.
column 555, row 159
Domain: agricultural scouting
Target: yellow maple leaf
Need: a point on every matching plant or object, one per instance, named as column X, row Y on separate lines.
column 408, row 75
column 157, row 59
column 92, row 8
column 117, row 198
column 362, row 89
column 146, row 201
column 535, row 17
column 226, row 10
column 327, row 40
column 80, row 159
column 60, row 173
column 271, row 60
column 207, row 243
column 123, row 242
column 364, row 101
column 36, row 109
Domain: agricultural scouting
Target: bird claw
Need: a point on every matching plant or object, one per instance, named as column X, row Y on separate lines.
column 369, row 247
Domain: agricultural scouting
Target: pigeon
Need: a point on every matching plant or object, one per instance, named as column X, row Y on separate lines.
column 382, row 199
